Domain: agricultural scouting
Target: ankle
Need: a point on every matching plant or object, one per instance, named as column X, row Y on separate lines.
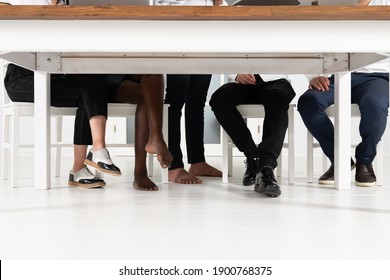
column 197, row 164
column 96, row 148
column 77, row 168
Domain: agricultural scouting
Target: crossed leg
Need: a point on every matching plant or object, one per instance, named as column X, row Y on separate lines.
column 146, row 91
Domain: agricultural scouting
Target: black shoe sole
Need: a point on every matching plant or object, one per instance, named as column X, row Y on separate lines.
column 271, row 194
column 267, row 192
column 248, row 183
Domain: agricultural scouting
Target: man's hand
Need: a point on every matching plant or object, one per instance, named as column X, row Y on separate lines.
column 247, row 79
column 364, row 2
column 218, row 2
column 319, row 83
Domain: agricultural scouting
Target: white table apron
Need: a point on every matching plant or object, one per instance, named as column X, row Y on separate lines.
column 151, row 46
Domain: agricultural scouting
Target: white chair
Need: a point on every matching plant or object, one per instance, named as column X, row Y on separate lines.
column 257, row 111
column 13, row 111
column 311, row 145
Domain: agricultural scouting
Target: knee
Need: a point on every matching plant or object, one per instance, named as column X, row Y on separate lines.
column 214, row 100
column 217, row 98
column 374, row 107
column 309, row 102
column 283, row 95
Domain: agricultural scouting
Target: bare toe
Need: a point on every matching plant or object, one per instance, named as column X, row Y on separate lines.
column 143, row 183
column 181, row 176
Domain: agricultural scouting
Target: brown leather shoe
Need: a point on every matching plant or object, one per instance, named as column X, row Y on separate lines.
column 328, row 177
column 365, row 176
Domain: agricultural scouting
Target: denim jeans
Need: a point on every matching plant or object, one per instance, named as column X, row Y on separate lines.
column 371, row 92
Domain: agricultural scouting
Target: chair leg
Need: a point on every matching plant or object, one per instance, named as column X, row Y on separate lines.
column 309, row 163
column 15, row 147
column 324, row 163
column 226, row 156
column 5, row 126
column 5, row 148
column 279, row 168
column 230, row 156
column 58, row 147
column 378, row 162
column 150, row 164
column 291, row 145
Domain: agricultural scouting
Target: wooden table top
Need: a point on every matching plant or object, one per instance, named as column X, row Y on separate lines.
column 229, row 13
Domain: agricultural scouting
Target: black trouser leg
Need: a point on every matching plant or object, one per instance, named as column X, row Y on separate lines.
column 275, row 96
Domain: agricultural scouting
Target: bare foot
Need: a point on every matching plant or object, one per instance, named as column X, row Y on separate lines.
column 204, row 169
column 181, row 176
column 159, row 147
column 143, row 183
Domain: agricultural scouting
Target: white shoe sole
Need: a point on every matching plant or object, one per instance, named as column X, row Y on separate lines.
column 326, row 182
column 365, row 184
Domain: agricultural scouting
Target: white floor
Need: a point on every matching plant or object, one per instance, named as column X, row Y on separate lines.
column 208, row 221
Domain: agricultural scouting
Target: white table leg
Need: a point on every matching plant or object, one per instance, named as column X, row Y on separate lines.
column 342, row 133
column 42, row 130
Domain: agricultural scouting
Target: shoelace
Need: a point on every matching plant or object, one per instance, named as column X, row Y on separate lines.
column 251, row 166
column 268, row 175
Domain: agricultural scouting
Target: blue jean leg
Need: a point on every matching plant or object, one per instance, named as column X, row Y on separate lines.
column 311, row 106
column 371, row 92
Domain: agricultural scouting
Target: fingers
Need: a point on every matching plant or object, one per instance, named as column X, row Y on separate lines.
column 319, row 83
column 248, row 79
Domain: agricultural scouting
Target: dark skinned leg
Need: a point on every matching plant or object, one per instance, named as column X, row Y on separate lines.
column 141, row 179
column 130, row 92
column 152, row 88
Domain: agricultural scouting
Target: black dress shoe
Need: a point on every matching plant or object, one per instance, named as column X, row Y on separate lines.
column 101, row 160
column 252, row 168
column 365, row 176
column 266, row 183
